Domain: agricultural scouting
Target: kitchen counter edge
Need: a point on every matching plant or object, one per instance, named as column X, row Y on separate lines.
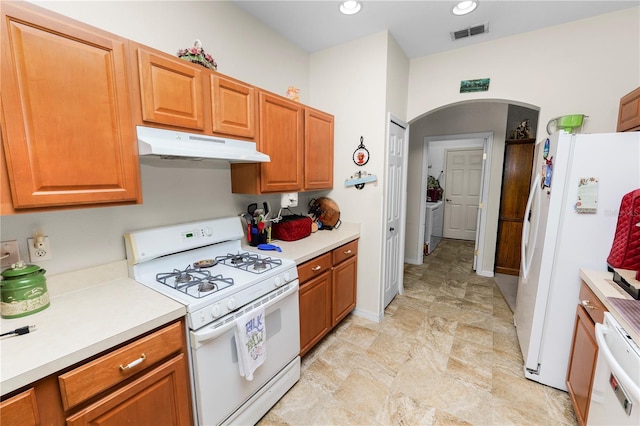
column 603, row 286
column 314, row 245
column 81, row 322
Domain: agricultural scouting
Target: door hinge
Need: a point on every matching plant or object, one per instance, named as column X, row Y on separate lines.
column 484, row 155
column 476, row 252
column 481, row 205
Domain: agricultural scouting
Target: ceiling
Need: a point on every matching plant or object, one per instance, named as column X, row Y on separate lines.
column 420, row 27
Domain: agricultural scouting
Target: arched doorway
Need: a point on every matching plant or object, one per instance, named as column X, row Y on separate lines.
column 469, row 117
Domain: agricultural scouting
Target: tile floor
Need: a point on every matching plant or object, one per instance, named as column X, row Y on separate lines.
column 445, row 353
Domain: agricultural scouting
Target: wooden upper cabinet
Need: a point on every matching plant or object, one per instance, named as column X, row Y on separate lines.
column 234, row 109
column 281, row 136
column 170, row 89
column 299, row 141
column 629, row 112
column 318, row 150
column 67, row 131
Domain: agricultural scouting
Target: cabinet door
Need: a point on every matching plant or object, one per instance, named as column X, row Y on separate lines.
column 170, row 90
column 67, row 129
column 234, row 107
column 318, row 150
column 629, row 112
column 344, row 281
column 160, row 397
column 281, row 133
column 315, row 311
column 582, row 363
column 21, row 410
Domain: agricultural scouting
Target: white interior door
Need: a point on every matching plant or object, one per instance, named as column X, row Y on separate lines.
column 395, row 200
column 462, row 193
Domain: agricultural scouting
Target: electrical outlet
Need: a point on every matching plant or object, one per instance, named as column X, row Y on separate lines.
column 39, row 252
column 11, row 250
column 289, row 200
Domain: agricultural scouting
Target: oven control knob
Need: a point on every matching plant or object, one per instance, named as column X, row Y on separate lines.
column 208, row 231
column 215, row 311
column 277, row 281
column 287, row 277
column 231, row 304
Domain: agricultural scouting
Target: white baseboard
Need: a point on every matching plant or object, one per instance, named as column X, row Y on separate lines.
column 368, row 315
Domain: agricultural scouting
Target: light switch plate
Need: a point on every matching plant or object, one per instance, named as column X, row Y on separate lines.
column 289, row 200
column 11, row 249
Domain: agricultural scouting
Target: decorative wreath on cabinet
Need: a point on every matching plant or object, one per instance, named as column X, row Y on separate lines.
column 197, row 55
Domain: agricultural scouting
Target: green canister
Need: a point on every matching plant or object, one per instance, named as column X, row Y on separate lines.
column 23, row 290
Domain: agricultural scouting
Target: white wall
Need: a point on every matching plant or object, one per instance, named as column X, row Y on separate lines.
column 179, row 192
column 351, row 83
column 582, row 67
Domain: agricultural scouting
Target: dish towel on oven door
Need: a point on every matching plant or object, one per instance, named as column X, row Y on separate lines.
column 251, row 341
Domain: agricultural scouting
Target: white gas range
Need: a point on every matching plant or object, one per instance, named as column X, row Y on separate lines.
column 203, row 265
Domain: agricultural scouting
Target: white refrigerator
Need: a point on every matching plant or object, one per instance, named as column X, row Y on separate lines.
column 572, row 211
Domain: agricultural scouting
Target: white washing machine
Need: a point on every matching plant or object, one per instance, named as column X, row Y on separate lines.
column 433, row 225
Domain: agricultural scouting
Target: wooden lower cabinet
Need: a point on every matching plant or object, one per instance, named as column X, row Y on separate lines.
column 327, row 293
column 343, row 289
column 21, row 410
column 143, row 382
column 315, row 310
column 160, row 397
column 584, row 352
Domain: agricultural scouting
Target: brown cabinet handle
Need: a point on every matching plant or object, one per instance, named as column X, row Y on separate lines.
column 588, row 305
column 133, row 363
column 316, row 268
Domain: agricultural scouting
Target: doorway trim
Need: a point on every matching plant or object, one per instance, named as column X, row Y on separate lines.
column 484, row 191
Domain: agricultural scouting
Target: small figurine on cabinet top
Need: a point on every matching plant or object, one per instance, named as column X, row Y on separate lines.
column 292, row 93
column 523, row 131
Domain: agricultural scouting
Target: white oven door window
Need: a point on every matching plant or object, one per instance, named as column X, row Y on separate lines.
column 219, row 388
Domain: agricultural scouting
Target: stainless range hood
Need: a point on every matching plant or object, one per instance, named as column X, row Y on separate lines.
column 171, row 144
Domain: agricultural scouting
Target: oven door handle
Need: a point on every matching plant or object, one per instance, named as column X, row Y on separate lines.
column 200, row 337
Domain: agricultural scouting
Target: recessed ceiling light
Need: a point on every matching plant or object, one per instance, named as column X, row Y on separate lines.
column 350, row 7
column 465, row 7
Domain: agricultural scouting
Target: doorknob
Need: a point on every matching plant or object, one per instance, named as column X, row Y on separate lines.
column 447, row 200
column 392, row 229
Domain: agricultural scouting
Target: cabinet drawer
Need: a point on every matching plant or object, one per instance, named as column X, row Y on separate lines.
column 344, row 252
column 96, row 376
column 314, row 267
column 594, row 307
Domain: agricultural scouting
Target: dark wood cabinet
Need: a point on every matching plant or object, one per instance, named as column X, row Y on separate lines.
column 629, row 112
column 516, row 181
column 584, row 352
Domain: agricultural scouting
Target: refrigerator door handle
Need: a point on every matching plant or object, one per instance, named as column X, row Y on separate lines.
column 527, row 249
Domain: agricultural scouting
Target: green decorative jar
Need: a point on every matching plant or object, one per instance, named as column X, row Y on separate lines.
column 23, row 291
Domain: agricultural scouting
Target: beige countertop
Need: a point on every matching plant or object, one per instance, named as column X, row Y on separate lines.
column 91, row 311
column 602, row 285
column 98, row 308
column 315, row 244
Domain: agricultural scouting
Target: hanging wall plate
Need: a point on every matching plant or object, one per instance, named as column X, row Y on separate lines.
column 361, row 155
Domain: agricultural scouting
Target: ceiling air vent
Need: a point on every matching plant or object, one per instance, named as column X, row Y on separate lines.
column 470, row 31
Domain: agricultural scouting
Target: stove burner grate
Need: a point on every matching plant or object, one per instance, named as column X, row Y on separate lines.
column 194, row 281
column 250, row 262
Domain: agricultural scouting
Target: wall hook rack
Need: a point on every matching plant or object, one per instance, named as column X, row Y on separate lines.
column 359, row 178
